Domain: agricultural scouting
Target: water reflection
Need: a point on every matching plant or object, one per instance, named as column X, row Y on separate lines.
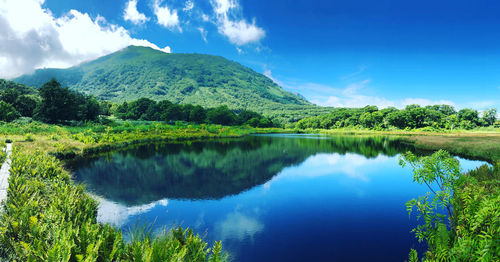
column 211, row 170
column 239, row 226
column 269, row 198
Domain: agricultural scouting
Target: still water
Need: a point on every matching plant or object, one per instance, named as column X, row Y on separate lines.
column 268, row 198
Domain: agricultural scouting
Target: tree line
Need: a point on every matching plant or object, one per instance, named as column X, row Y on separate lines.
column 55, row 104
column 411, row 117
column 148, row 109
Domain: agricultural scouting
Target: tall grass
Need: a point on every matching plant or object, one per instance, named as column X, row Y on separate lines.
column 48, row 218
column 90, row 138
column 3, row 154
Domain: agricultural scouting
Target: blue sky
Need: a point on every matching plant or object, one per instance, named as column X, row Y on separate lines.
column 337, row 53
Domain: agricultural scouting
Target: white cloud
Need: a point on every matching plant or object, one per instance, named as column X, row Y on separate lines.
column 269, row 74
column 354, row 95
column 239, row 226
column 31, row 37
column 205, row 18
column 231, row 25
column 118, row 214
column 132, row 14
column 222, row 7
column 240, row 32
column 349, row 96
column 203, row 33
column 189, row 6
column 355, row 101
column 485, row 104
column 166, row 17
column 142, row 42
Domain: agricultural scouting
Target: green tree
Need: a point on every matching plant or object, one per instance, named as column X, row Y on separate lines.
column 370, row 109
column 416, row 115
column 88, row 108
column 198, row 114
column 490, row 116
column 433, row 118
column 7, row 112
column 25, row 105
column 245, row 115
column 122, row 110
column 398, row 119
column 438, row 172
column 447, row 110
column 141, row 109
column 370, row 120
column 220, row 115
column 172, row 113
column 9, row 95
column 105, row 108
column 470, row 115
column 58, row 103
column 451, row 121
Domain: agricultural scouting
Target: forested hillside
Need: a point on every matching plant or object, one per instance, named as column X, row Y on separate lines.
column 140, row 72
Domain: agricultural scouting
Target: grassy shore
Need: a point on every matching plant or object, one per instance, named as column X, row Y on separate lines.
column 479, row 146
column 482, row 144
column 67, row 141
column 71, row 141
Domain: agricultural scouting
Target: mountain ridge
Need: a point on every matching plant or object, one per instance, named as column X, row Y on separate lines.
column 135, row 72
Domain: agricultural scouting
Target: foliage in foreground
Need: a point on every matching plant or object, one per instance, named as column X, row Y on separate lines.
column 48, row 218
column 471, row 230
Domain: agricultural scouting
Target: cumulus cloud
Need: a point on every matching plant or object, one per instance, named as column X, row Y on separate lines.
column 189, row 6
column 230, row 24
column 32, row 37
column 132, row 14
column 166, row 17
column 241, row 32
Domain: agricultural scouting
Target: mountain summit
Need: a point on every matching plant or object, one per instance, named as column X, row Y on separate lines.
column 205, row 80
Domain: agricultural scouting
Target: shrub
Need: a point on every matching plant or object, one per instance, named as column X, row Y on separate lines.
column 471, row 201
column 29, row 137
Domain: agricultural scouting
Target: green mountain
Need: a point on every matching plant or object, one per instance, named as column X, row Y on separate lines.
column 206, row 80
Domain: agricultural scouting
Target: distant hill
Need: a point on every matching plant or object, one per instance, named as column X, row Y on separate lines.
column 24, row 90
column 206, row 80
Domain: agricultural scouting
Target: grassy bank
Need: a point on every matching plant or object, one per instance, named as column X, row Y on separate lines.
column 68, row 141
column 48, row 218
column 482, row 144
column 474, row 145
column 87, row 139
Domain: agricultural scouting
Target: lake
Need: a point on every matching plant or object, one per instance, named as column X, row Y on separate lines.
column 267, row 197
